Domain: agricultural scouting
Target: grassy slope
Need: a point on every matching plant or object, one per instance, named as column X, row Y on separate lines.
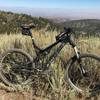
column 11, row 22
column 43, row 39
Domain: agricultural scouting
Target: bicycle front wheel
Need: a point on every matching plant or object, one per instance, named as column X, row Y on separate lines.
column 15, row 67
column 90, row 81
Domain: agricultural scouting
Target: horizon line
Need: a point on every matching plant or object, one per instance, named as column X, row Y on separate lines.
column 72, row 14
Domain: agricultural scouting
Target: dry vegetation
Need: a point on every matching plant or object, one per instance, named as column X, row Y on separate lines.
column 43, row 39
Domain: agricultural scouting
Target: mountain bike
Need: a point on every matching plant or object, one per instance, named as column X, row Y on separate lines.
column 82, row 71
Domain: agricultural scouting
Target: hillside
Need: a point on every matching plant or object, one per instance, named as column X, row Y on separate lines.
column 86, row 26
column 55, row 88
column 10, row 22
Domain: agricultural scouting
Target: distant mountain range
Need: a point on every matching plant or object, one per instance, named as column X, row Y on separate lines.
column 84, row 26
column 72, row 14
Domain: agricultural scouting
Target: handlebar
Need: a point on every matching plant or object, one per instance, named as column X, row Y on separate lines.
column 66, row 36
column 66, row 32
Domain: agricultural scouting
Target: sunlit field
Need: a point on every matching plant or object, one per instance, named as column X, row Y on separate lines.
column 59, row 90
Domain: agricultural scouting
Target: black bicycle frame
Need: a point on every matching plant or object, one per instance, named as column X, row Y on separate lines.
column 62, row 38
column 47, row 50
column 55, row 54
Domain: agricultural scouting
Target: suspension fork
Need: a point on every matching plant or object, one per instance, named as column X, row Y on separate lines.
column 83, row 72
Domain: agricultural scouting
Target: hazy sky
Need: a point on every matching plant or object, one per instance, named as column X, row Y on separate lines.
column 79, row 7
column 69, row 4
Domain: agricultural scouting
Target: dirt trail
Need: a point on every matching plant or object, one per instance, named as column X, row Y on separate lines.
column 4, row 95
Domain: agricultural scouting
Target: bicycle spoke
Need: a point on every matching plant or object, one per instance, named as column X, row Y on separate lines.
column 91, row 79
column 16, row 67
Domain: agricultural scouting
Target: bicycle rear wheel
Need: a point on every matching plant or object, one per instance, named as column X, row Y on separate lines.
column 15, row 67
column 90, row 81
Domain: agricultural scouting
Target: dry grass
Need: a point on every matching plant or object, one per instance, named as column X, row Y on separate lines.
column 43, row 39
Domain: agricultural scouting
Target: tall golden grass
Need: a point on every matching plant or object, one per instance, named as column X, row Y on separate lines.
column 43, row 39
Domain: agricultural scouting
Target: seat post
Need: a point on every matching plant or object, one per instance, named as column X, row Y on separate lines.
column 37, row 49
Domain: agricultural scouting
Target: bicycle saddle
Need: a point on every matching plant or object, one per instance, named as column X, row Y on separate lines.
column 30, row 26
